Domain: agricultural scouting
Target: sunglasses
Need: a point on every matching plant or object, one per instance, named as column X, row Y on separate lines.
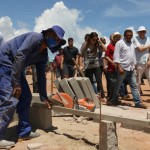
column 142, row 31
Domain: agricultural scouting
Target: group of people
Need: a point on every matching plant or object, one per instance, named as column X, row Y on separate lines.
column 123, row 62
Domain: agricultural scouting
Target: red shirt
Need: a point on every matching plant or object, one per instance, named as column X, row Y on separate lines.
column 110, row 54
column 58, row 59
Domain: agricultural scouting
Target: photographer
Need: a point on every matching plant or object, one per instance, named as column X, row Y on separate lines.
column 90, row 52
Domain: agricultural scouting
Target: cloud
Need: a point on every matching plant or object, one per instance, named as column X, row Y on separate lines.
column 115, row 11
column 7, row 29
column 59, row 14
column 67, row 18
column 128, row 9
column 22, row 24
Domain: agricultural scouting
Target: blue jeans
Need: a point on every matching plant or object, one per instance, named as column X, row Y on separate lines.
column 8, row 103
column 130, row 77
column 24, row 127
column 123, row 89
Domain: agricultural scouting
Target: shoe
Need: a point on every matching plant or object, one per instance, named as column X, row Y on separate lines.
column 141, row 106
column 114, row 103
column 143, row 83
column 6, row 144
column 30, row 136
column 125, row 96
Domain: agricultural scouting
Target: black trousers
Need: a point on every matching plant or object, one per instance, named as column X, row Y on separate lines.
column 112, row 78
column 97, row 73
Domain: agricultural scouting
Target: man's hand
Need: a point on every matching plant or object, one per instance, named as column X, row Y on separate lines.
column 121, row 71
column 61, row 66
column 148, row 63
column 17, row 91
column 49, row 103
column 74, row 68
column 105, row 68
column 81, row 67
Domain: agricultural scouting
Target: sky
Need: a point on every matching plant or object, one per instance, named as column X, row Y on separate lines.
column 77, row 17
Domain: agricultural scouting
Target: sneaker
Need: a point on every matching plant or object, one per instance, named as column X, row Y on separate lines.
column 141, row 106
column 30, row 136
column 6, row 144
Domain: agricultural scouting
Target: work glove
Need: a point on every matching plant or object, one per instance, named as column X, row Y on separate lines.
column 17, row 91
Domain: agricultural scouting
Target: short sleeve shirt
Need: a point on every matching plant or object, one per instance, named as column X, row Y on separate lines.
column 70, row 53
column 124, row 54
column 141, row 56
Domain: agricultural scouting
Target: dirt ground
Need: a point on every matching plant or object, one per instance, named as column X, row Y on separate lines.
column 68, row 134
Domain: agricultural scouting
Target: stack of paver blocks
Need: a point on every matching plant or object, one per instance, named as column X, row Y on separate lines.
column 77, row 87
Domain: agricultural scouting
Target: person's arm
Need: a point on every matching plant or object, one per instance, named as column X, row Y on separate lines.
column 120, row 69
column 77, row 61
column 83, row 48
column 62, row 61
column 105, row 64
column 103, row 47
column 109, row 60
column 18, row 65
column 107, row 56
column 142, row 48
column 148, row 61
column 116, row 58
column 41, row 80
column 138, row 46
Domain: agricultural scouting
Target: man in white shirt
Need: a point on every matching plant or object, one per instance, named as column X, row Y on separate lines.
column 124, row 57
column 142, row 50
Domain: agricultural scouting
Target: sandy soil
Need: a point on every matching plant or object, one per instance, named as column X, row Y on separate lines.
column 68, row 134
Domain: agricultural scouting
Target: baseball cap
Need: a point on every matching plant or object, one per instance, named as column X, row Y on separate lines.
column 141, row 28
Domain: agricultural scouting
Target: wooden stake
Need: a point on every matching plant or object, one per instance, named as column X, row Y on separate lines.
column 100, row 123
column 78, row 68
column 52, row 81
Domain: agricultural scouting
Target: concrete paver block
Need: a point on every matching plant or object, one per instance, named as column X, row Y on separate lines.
column 40, row 116
column 83, row 87
column 91, row 90
column 66, row 87
column 76, row 88
column 57, row 85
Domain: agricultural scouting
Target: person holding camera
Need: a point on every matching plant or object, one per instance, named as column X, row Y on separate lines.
column 90, row 52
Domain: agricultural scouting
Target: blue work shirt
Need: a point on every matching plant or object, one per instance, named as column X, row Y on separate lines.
column 23, row 51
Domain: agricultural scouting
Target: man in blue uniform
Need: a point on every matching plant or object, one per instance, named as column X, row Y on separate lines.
column 15, row 55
